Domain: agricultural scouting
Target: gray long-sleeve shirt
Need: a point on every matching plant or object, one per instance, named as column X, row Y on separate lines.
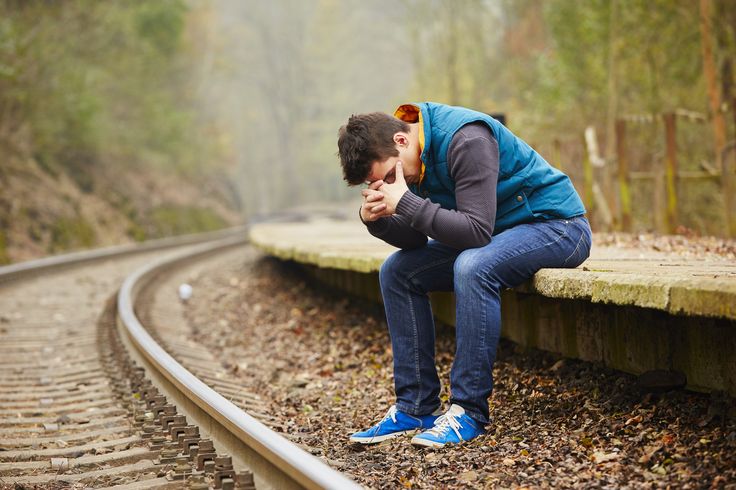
column 473, row 163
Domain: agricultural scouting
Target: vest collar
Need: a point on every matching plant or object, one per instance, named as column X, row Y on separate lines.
column 415, row 113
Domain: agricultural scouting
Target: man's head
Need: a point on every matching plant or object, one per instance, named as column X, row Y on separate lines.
column 369, row 146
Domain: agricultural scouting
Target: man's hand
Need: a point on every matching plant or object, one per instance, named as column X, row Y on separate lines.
column 392, row 193
column 373, row 206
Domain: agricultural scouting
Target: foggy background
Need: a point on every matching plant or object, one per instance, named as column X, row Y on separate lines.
column 131, row 120
column 281, row 77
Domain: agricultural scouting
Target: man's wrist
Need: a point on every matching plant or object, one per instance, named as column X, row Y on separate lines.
column 360, row 215
column 378, row 226
column 408, row 204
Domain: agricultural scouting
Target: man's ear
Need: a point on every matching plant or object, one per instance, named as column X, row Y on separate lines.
column 401, row 139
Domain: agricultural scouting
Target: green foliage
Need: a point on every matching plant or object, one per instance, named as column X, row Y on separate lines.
column 578, row 76
column 161, row 24
column 136, row 232
column 175, row 220
column 71, row 233
column 4, row 259
column 86, row 83
column 450, row 46
column 554, row 65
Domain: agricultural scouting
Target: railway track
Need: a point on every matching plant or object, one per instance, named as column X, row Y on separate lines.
column 89, row 398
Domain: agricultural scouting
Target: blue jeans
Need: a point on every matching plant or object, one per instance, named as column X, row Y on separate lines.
column 477, row 276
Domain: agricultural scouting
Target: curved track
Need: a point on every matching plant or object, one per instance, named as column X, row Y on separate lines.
column 82, row 405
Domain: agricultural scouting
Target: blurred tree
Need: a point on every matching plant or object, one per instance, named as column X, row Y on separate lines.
column 709, row 72
column 290, row 74
column 451, row 48
column 260, row 88
column 725, row 33
column 84, row 82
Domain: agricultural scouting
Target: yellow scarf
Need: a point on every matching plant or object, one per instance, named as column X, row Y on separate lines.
column 412, row 114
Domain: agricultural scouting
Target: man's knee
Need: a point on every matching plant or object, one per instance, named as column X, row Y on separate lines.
column 474, row 269
column 394, row 266
column 466, row 265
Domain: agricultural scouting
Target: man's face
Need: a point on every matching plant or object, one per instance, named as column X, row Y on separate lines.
column 386, row 170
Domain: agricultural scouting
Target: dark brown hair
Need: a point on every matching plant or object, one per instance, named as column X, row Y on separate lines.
column 365, row 139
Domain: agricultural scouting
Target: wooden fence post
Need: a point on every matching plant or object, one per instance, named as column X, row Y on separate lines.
column 709, row 73
column 728, row 184
column 588, row 199
column 659, row 201
column 623, row 175
column 557, row 154
column 670, row 131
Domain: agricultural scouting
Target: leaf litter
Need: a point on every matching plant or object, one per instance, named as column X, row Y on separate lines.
column 323, row 363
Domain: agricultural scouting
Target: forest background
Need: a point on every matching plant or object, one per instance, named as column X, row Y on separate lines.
column 131, row 120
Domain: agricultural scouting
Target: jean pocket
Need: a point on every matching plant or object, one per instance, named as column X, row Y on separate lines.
column 559, row 227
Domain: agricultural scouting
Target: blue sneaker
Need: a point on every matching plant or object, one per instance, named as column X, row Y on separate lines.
column 454, row 427
column 395, row 423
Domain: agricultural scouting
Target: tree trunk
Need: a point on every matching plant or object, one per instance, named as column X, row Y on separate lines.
column 612, row 112
column 452, row 55
column 624, row 179
column 709, row 71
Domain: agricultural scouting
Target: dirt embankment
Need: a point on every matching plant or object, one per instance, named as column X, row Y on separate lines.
column 44, row 211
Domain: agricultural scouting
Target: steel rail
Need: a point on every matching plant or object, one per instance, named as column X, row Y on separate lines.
column 274, row 460
column 28, row 268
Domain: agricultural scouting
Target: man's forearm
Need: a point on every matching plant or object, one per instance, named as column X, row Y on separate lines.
column 456, row 229
column 473, row 162
column 397, row 231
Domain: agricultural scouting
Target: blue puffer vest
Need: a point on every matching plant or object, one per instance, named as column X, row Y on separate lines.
column 528, row 187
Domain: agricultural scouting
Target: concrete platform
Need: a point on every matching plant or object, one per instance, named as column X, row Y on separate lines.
column 631, row 310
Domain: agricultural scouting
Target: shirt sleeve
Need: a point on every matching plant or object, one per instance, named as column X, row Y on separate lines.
column 397, row 231
column 473, row 162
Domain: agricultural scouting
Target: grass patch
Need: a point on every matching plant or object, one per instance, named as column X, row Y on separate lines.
column 71, row 233
column 4, row 258
column 176, row 220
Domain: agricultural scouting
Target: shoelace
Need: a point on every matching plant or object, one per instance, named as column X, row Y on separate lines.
column 444, row 423
column 390, row 414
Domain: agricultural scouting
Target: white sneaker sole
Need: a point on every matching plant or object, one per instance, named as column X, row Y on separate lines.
column 418, row 441
column 377, row 439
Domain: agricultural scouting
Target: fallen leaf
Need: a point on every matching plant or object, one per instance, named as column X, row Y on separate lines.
column 602, row 457
column 469, row 476
column 649, row 451
column 557, row 366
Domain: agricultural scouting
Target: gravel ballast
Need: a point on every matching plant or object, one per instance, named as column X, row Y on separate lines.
column 324, row 361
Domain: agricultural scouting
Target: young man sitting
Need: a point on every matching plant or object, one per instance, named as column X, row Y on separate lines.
column 495, row 212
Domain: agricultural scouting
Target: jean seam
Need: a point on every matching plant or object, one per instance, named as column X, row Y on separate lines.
column 577, row 247
column 417, row 371
column 415, row 330
column 404, row 284
column 481, row 347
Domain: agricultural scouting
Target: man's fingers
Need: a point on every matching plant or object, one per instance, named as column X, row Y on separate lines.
column 374, row 211
column 374, row 208
column 370, row 195
column 380, row 213
column 375, row 184
column 399, row 172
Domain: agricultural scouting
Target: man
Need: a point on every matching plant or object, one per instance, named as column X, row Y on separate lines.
column 496, row 213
